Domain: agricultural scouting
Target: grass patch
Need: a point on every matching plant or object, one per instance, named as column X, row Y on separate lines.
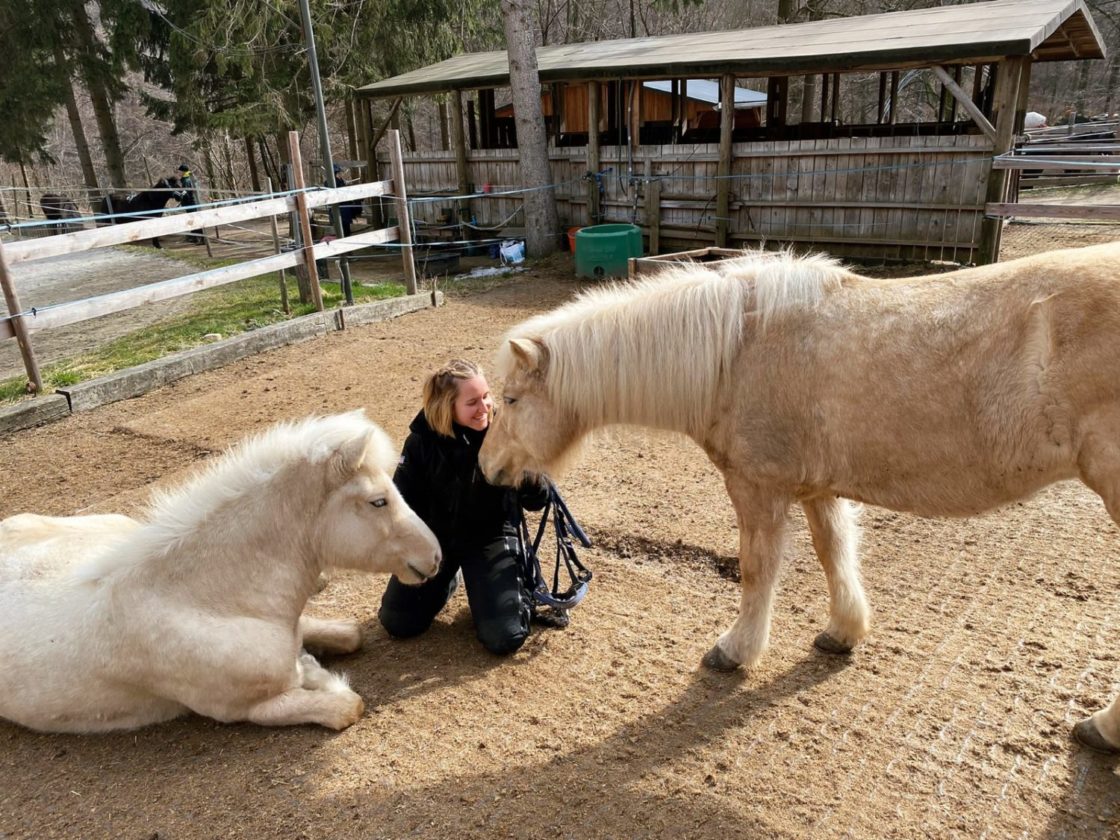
column 227, row 310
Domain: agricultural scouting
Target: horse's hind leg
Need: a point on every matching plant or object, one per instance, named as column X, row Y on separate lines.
column 321, row 698
column 762, row 529
column 1100, row 469
column 324, row 635
column 835, row 533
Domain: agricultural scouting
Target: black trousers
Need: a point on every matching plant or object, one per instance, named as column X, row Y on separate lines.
column 496, row 594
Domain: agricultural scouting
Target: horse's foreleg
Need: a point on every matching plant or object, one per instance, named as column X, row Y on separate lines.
column 321, row 697
column 832, row 523
column 1100, row 469
column 1101, row 730
column 762, row 529
column 324, row 635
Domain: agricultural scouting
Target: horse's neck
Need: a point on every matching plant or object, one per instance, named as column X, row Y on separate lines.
column 257, row 565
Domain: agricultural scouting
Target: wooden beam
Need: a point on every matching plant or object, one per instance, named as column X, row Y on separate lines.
column 82, row 310
column 389, row 119
column 1109, row 212
column 1058, row 162
column 593, row 165
column 403, row 222
column 84, row 240
column 459, row 140
column 1009, row 76
column 304, row 216
column 965, row 101
column 653, row 210
column 723, row 185
column 18, row 326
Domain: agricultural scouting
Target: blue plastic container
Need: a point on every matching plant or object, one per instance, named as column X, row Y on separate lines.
column 604, row 250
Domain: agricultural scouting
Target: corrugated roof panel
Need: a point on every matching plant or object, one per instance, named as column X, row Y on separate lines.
column 1050, row 29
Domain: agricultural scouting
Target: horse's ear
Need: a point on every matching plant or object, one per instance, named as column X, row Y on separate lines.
column 352, row 454
column 530, row 352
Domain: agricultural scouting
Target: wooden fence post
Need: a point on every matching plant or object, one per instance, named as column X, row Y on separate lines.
column 404, row 223
column 594, row 212
column 18, row 327
column 304, row 220
column 653, row 210
column 1008, row 77
column 723, row 185
column 276, row 245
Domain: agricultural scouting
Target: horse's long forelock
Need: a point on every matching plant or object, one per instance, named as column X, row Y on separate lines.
column 656, row 351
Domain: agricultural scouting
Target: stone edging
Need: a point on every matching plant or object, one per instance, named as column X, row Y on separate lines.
column 138, row 380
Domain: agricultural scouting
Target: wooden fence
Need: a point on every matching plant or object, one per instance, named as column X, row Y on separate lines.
column 908, row 198
column 19, row 324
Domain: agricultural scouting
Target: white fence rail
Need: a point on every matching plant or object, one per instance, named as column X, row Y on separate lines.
column 19, row 324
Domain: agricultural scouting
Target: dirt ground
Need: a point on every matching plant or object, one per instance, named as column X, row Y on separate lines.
column 991, row 636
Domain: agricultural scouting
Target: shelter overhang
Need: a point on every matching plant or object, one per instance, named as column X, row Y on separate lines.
column 1046, row 30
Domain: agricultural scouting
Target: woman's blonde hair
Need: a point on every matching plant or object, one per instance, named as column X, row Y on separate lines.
column 440, row 391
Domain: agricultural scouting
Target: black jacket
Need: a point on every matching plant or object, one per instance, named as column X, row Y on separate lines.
column 440, row 479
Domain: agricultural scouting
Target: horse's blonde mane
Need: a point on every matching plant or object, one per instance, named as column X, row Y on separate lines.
column 656, row 351
column 175, row 515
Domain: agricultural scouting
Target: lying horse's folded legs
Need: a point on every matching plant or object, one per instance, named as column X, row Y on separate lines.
column 321, row 698
column 761, row 543
column 333, row 636
column 835, row 533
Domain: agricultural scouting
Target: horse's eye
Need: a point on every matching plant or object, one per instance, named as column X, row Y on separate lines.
column 509, row 400
column 379, row 502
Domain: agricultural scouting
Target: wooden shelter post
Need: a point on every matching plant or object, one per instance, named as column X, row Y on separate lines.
column 15, row 312
column 460, row 142
column 723, row 185
column 404, row 223
column 307, row 241
column 593, row 156
column 1011, row 73
column 444, row 137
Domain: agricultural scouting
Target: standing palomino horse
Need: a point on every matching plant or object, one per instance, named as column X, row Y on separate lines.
column 109, row 623
column 804, row 382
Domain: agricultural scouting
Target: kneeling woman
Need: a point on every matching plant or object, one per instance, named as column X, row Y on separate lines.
column 439, row 477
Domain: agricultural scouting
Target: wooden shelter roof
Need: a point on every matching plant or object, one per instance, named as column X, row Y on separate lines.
column 1047, row 30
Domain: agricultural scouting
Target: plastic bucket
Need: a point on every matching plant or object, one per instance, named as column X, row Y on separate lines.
column 605, row 250
column 572, row 231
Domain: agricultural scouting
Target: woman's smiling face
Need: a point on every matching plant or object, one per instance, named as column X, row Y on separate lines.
column 473, row 405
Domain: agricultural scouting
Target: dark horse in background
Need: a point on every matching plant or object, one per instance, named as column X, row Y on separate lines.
column 61, row 210
column 143, row 204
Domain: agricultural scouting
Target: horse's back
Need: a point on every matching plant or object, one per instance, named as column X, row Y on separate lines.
column 34, row 547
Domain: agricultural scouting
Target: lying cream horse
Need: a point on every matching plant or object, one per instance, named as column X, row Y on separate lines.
column 804, row 382
column 109, row 623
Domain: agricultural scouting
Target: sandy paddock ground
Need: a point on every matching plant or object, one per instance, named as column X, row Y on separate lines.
column 991, row 636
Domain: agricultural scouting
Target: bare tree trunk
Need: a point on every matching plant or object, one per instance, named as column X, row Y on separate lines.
column 27, row 192
column 1082, row 84
column 351, row 129
column 102, row 105
column 89, row 174
column 227, row 154
column 541, row 221
column 250, row 156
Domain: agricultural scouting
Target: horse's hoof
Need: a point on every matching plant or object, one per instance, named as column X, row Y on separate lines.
column 827, row 644
column 717, row 660
column 1087, row 734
